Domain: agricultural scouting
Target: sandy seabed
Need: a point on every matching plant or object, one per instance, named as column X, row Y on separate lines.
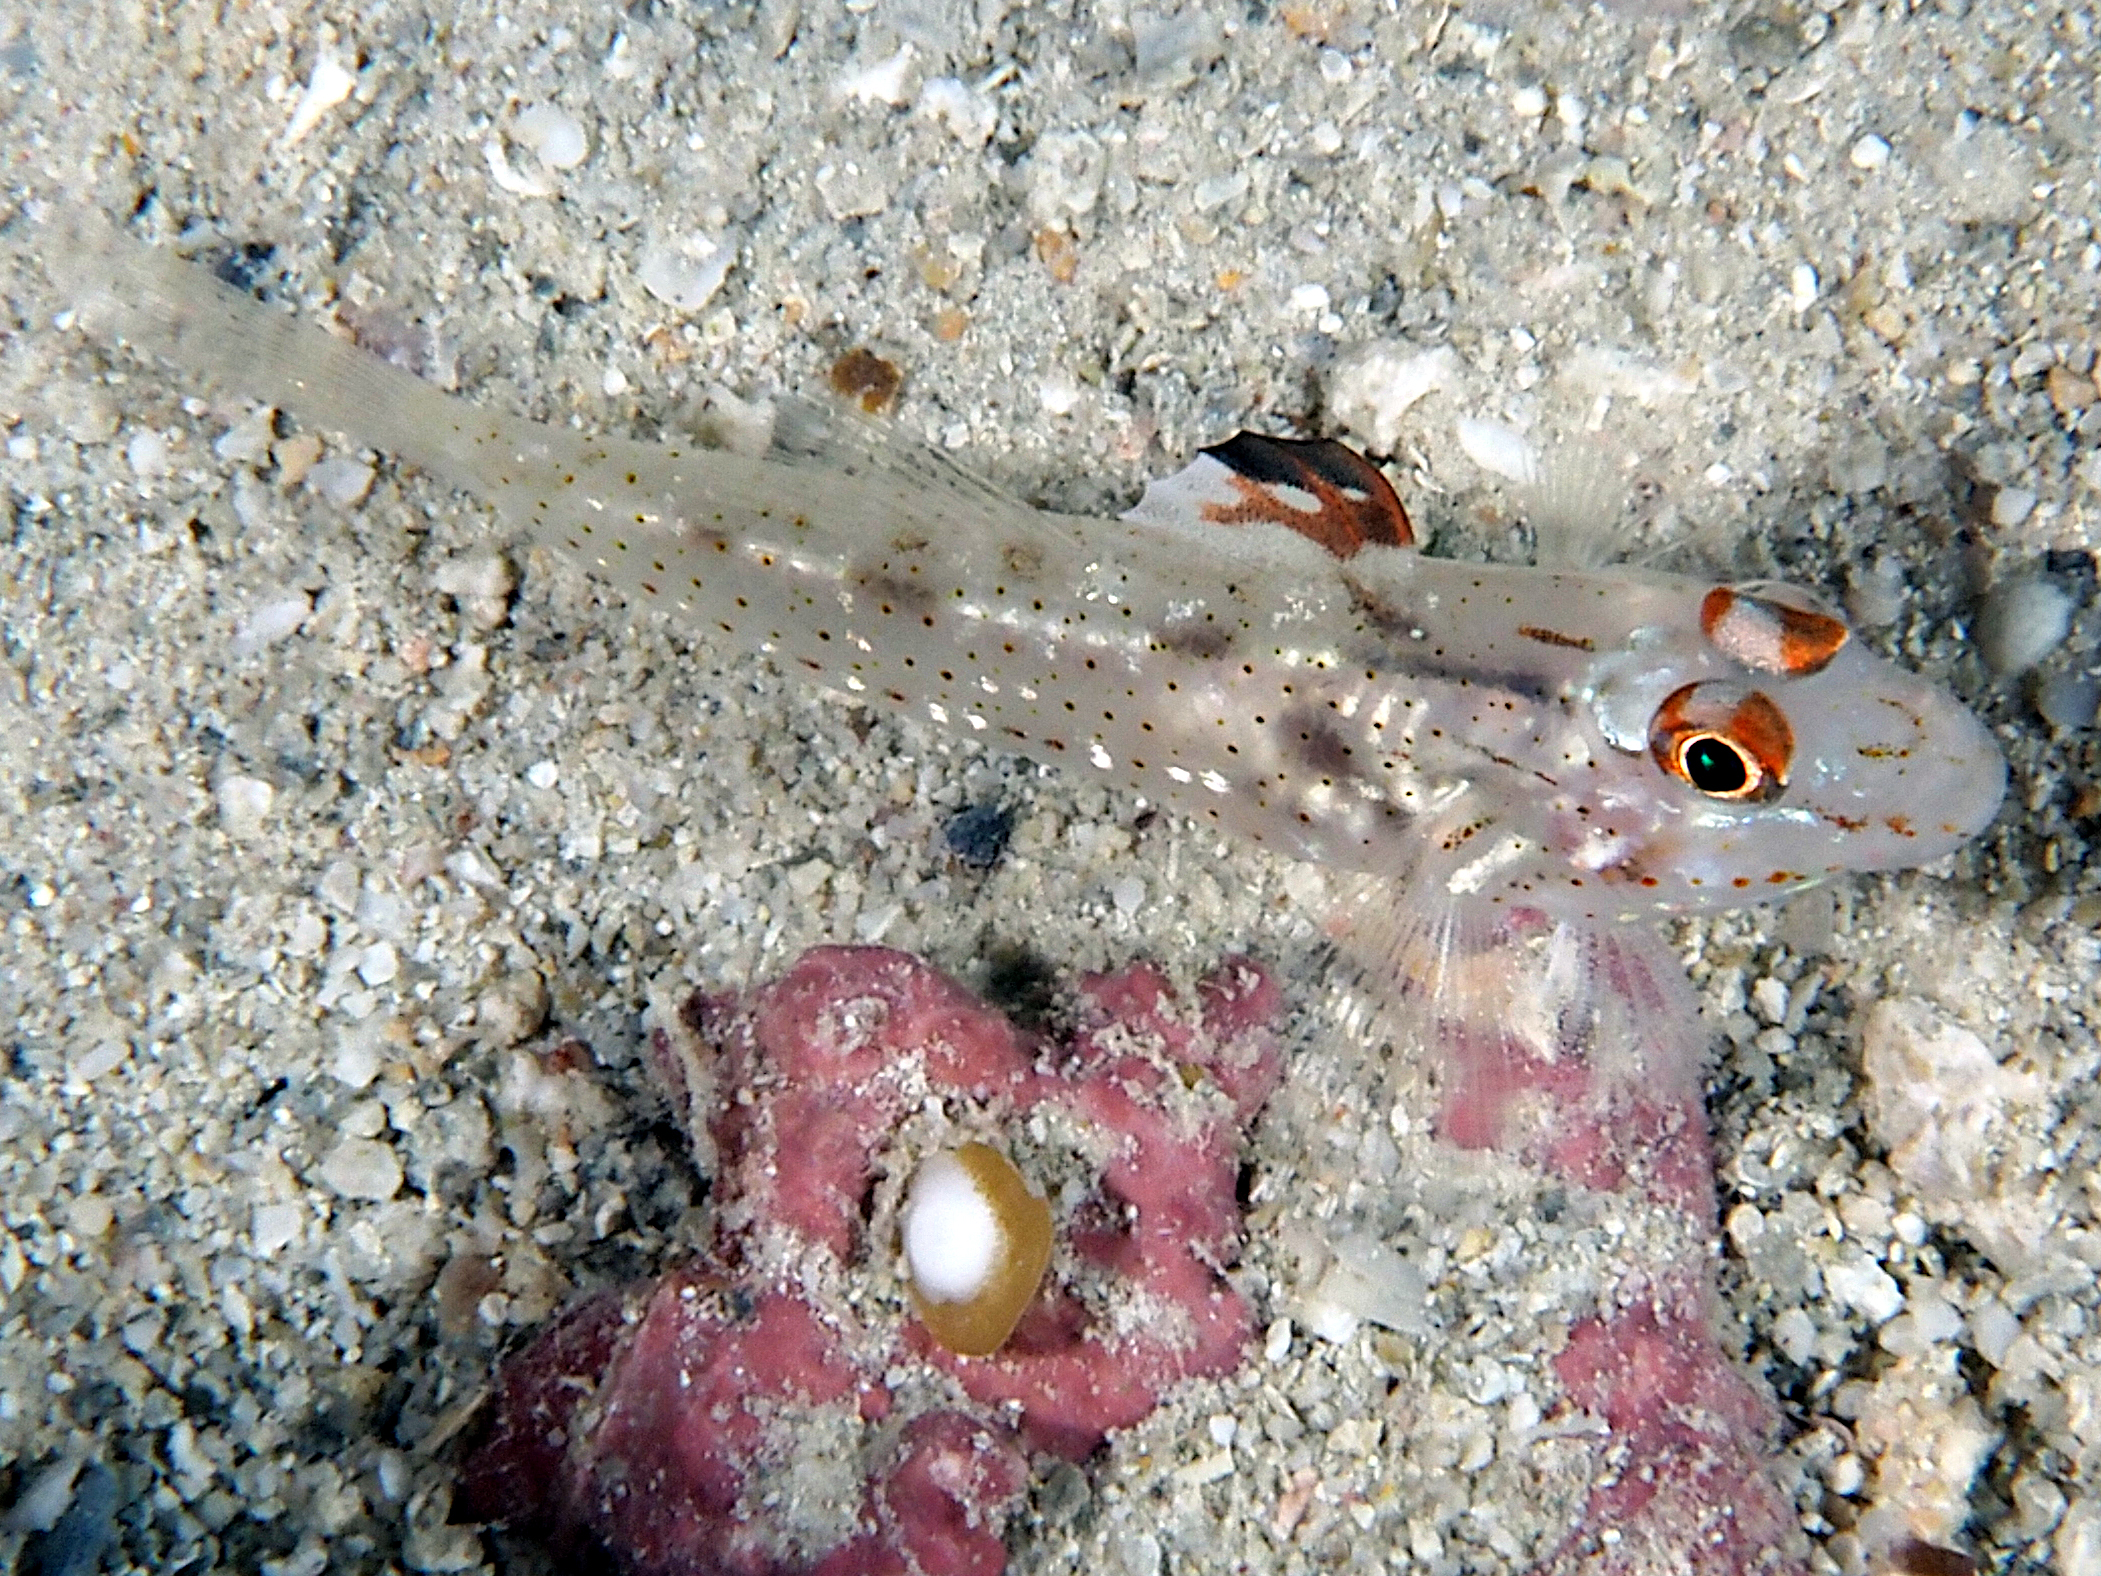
column 326, row 810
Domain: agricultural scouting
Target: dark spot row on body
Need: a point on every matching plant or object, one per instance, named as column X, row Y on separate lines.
column 1319, row 744
column 1459, row 836
column 895, row 594
column 1204, row 642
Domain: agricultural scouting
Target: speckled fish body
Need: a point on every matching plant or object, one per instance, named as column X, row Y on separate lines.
column 1521, row 735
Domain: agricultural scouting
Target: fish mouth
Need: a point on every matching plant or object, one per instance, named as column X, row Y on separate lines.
column 1972, row 766
column 1918, row 775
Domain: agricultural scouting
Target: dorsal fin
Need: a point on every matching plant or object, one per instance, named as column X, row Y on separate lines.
column 1326, row 492
column 830, row 437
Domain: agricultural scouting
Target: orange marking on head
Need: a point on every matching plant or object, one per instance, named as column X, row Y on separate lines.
column 1768, row 635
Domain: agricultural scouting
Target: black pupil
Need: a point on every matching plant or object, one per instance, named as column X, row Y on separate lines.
column 1714, row 767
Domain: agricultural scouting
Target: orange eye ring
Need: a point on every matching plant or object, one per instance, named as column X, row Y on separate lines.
column 1724, row 742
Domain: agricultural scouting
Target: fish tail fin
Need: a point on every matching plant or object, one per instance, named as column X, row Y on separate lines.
column 165, row 306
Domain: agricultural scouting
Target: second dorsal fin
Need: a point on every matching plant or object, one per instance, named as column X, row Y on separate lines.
column 1326, row 492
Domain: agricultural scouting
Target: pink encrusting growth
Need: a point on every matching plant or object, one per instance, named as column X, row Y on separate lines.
column 689, row 1425
column 1600, row 1093
column 1686, row 1486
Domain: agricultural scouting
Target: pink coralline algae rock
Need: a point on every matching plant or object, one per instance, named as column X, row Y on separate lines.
column 1688, row 1489
column 772, row 1407
column 1608, row 1099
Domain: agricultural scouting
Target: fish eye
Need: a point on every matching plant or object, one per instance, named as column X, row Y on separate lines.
column 1714, row 766
column 1724, row 742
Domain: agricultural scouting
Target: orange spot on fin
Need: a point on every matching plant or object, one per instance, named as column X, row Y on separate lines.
column 1326, row 492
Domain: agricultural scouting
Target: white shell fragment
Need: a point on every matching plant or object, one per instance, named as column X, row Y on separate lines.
column 1368, row 1282
column 276, row 620
column 2012, row 505
column 685, row 274
column 884, row 82
column 1607, row 370
column 248, row 440
column 1060, row 393
column 552, row 135
column 1803, row 287
column 342, row 482
column 1498, row 449
column 363, row 1168
column 511, row 180
column 1374, row 387
column 1065, row 172
column 1866, row 1288
column 329, row 84
column 1869, row 153
column 98, row 1061
column 273, row 1227
column 1936, row 1098
column 147, row 454
column 244, row 804
column 481, row 583
column 969, row 117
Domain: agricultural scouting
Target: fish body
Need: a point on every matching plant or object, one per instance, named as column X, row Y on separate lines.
column 1605, row 744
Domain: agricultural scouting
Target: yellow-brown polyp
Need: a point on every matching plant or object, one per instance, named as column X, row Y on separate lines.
column 977, row 1242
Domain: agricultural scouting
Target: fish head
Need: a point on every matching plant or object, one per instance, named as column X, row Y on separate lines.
column 1735, row 744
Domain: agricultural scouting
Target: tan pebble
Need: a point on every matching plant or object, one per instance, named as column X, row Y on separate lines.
column 1054, row 249
column 295, row 457
column 2069, row 391
column 460, row 1287
column 865, row 377
column 1886, row 323
column 936, row 270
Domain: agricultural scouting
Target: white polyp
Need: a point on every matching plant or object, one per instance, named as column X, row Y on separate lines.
column 952, row 1237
